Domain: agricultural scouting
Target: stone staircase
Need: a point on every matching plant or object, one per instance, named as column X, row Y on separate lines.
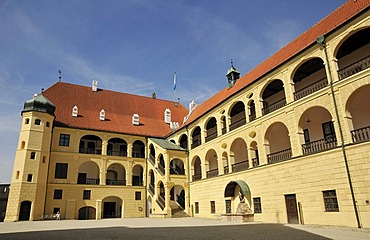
column 177, row 211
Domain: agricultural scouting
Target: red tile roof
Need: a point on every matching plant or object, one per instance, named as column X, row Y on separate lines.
column 338, row 17
column 118, row 107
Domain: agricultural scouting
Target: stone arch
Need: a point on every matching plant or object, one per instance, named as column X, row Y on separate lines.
column 138, row 149
column 86, row 213
column 211, row 163
column 90, row 144
column 88, row 173
column 177, row 167
column 116, row 174
column 183, row 141
column 237, row 115
column 211, row 129
column 239, row 155
column 117, row 147
column 196, row 168
column 137, row 175
column 112, row 207
column 196, row 137
column 277, row 141
column 238, row 190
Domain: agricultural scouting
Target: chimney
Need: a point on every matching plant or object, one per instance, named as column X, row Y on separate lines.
column 94, row 86
column 135, row 119
column 167, row 115
column 102, row 115
column 75, row 111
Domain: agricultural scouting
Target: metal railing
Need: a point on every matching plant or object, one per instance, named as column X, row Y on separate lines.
column 151, row 159
column 255, row 162
column 161, row 201
column 252, row 117
column 212, row 173
column 211, row 135
column 137, row 182
column 316, row 86
column 196, row 177
column 138, row 154
column 161, row 169
column 279, row 156
column 273, row 106
column 319, row 145
column 177, row 170
column 240, row 166
column 151, row 189
column 115, row 182
column 88, row 181
column 361, row 134
column 236, row 124
column 117, row 153
column 226, row 169
column 90, row 151
column 195, row 143
column 354, row 68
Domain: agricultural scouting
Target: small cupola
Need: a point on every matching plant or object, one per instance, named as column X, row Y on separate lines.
column 102, row 115
column 75, row 111
column 135, row 119
column 167, row 116
column 94, row 86
column 232, row 75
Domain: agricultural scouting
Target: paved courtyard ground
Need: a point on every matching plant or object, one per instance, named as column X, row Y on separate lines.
column 181, row 228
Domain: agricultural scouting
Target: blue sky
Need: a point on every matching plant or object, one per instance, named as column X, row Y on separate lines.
column 135, row 46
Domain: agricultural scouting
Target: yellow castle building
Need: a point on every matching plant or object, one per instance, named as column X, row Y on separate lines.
column 288, row 142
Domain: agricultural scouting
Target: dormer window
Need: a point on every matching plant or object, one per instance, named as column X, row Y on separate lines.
column 135, row 119
column 102, row 115
column 167, row 116
column 75, row 111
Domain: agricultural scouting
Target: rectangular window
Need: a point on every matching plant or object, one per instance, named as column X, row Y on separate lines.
column 64, row 139
column 257, row 205
column 196, row 207
column 29, row 178
column 137, row 195
column 228, row 206
column 61, row 170
column 58, row 194
column 330, row 201
column 37, row 122
column 33, row 155
column 328, row 130
column 86, row 194
column 213, row 207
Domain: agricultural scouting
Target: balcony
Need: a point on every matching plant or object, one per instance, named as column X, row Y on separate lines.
column 211, row 135
column 196, row 143
column 90, row 151
column 354, row 68
column 237, row 124
column 361, row 134
column 116, row 182
column 274, row 106
column 212, row 173
column 88, row 181
column 316, row 86
column 319, row 145
column 117, row 153
column 161, row 169
column 138, row 154
column 177, row 171
column 137, row 182
column 151, row 159
column 197, row 177
column 279, row 156
column 240, row 166
column 161, row 202
column 252, row 117
column 151, row 189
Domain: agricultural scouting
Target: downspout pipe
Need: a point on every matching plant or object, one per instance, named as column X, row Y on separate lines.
column 321, row 40
column 189, row 171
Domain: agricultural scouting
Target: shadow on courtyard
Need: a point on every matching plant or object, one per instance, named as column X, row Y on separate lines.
column 250, row 231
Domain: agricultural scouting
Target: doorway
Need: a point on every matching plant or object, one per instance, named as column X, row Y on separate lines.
column 291, row 208
column 25, row 210
column 109, row 210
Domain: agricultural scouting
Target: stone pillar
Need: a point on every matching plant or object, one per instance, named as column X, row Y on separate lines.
column 70, row 209
column 104, row 147
column 98, row 209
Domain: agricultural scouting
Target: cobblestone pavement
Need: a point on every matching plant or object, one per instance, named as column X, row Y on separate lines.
column 181, row 228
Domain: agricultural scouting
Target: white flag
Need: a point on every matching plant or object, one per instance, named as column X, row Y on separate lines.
column 174, row 81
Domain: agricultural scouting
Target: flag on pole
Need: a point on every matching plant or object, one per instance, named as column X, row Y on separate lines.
column 174, row 81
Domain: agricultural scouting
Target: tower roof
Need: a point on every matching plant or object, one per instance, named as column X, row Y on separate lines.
column 39, row 103
column 232, row 69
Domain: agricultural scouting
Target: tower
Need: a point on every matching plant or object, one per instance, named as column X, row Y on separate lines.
column 232, row 75
column 29, row 179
